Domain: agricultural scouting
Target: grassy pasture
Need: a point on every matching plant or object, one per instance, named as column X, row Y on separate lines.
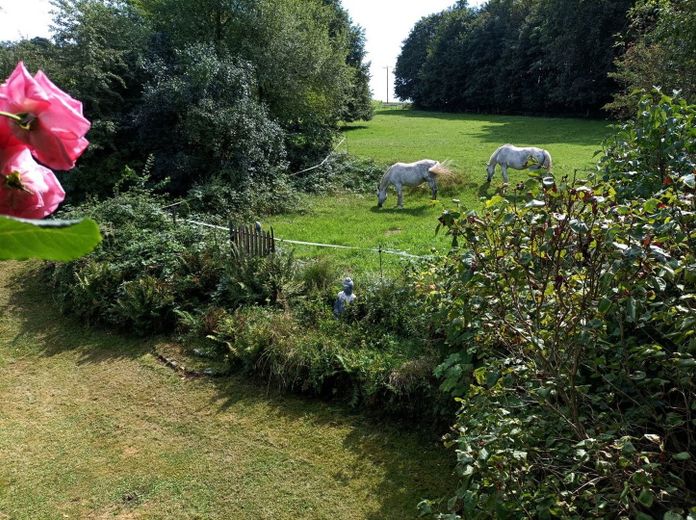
column 92, row 426
column 406, row 135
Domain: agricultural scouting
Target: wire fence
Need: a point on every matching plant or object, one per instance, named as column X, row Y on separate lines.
column 279, row 240
column 257, row 235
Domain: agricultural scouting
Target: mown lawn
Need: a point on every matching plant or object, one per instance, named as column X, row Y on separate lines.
column 93, row 426
column 405, row 135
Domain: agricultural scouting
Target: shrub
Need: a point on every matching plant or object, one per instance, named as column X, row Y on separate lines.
column 129, row 280
column 319, row 275
column 206, row 105
column 330, row 357
column 270, row 317
column 655, row 149
column 570, row 325
column 219, row 198
column 392, row 305
column 248, row 280
column 342, row 172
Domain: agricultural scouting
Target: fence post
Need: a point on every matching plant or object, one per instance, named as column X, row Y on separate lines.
column 381, row 275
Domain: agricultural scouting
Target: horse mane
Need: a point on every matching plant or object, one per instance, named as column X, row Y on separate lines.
column 495, row 154
column 384, row 183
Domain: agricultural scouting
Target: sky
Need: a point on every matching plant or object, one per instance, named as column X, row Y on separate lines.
column 387, row 24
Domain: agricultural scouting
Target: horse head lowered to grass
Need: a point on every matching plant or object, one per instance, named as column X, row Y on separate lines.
column 510, row 156
column 410, row 174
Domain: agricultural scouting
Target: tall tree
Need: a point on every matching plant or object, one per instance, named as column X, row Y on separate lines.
column 97, row 45
column 514, row 56
column 660, row 50
column 299, row 49
column 414, row 52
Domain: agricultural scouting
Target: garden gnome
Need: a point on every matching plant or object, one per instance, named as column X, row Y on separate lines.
column 344, row 298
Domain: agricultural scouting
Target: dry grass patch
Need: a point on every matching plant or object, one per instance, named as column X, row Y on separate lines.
column 93, row 426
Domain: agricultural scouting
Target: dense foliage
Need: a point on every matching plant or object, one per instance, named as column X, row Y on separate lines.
column 235, row 90
column 656, row 148
column 570, row 315
column 513, row 56
column 659, row 50
column 563, row 320
column 269, row 317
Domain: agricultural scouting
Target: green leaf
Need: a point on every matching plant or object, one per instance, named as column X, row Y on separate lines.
column 683, row 455
column 494, row 200
column 604, row 305
column 480, row 375
column 646, row 497
column 578, row 226
column 670, row 515
column 631, row 310
column 60, row 240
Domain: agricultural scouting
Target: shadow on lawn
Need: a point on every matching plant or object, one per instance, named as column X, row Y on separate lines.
column 350, row 128
column 413, row 463
column 39, row 319
column 521, row 130
column 414, row 211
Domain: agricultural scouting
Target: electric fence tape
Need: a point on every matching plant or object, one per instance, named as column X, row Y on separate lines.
column 318, row 244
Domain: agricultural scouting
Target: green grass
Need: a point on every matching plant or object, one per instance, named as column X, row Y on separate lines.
column 469, row 140
column 92, row 426
column 405, row 135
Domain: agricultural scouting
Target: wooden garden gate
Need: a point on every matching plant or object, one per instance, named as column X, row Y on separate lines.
column 252, row 241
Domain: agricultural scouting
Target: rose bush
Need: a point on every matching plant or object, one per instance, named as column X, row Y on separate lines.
column 29, row 190
column 39, row 121
column 46, row 119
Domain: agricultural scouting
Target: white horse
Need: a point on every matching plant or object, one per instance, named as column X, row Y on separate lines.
column 509, row 156
column 409, row 174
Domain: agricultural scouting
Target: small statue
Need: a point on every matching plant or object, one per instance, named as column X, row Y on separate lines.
column 345, row 297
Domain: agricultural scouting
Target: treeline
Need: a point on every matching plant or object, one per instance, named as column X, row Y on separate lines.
column 547, row 56
column 244, row 91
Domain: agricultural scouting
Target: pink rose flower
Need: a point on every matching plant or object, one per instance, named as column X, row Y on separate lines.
column 27, row 189
column 52, row 122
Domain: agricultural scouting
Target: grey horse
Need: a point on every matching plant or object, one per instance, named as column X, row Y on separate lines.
column 409, row 174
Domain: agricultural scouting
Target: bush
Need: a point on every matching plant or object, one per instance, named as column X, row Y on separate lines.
column 217, row 197
column 342, row 172
column 655, row 149
column 270, row 317
column 570, row 322
column 328, row 357
column 124, row 282
column 206, row 106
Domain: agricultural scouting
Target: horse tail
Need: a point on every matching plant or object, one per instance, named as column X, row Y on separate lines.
column 436, row 169
column 548, row 163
